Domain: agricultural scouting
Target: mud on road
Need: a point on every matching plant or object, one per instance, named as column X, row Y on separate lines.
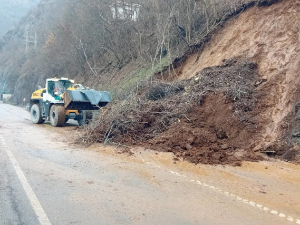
column 75, row 184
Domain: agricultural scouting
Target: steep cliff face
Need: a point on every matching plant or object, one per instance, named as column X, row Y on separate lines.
column 11, row 11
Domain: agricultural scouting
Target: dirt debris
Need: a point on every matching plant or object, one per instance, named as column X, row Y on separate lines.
column 209, row 118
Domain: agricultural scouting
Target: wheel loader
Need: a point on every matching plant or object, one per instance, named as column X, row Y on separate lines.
column 62, row 100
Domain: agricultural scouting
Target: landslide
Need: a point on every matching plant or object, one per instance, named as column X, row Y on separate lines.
column 233, row 100
column 271, row 37
column 210, row 118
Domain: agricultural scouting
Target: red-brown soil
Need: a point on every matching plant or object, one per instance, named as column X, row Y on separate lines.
column 271, row 37
column 210, row 134
column 211, row 118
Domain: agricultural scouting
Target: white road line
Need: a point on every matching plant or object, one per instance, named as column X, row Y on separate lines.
column 38, row 209
column 274, row 212
column 259, row 206
column 252, row 203
column 246, row 201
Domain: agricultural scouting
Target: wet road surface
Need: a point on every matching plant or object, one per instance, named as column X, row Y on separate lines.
column 46, row 180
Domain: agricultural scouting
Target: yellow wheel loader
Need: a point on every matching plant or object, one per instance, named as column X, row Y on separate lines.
column 62, row 100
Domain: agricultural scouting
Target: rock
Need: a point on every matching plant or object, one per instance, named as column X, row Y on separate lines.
column 197, row 80
column 221, row 134
column 191, row 139
column 257, row 148
column 239, row 154
column 225, row 146
column 188, row 146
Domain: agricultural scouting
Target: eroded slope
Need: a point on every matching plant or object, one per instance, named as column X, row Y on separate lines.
column 271, row 37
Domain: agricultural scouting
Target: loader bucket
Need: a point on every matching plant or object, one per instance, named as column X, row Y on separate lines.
column 86, row 99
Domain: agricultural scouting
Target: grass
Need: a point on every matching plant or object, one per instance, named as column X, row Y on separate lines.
column 142, row 74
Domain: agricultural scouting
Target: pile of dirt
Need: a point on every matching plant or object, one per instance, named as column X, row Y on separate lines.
column 225, row 126
column 210, row 134
column 211, row 118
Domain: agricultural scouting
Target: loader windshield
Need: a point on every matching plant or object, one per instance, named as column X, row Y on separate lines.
column 57, row 88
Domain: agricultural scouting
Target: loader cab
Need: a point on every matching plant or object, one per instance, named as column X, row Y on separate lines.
column 55, row 88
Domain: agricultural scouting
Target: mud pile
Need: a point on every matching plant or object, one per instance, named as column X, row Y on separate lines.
column 210, row 118
column 224, row 126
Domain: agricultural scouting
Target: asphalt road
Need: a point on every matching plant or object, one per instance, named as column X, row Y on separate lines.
column 46, row 180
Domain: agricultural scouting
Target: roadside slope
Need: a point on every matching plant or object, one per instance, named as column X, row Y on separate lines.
column 234, row 99
column 270, row 36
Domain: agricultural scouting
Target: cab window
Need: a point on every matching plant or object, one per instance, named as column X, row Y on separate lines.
column 58, row 87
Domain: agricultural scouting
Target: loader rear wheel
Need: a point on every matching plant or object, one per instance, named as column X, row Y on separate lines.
column 36, row 114
column 57, row 115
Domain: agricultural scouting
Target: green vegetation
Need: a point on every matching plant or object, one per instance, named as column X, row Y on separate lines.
column 143, row 74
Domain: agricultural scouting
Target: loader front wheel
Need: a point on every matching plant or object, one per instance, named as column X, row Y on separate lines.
column 57, row 115
column 36, row 114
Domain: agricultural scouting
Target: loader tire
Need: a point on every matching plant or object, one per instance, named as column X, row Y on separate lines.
column 57, row 115
column 36, row 114
column 89, row 116
column 83, row 120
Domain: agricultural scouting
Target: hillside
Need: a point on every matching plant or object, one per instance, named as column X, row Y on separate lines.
column 11, row 11
column 236, row 98
column 87, row 41
column 269, row 37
